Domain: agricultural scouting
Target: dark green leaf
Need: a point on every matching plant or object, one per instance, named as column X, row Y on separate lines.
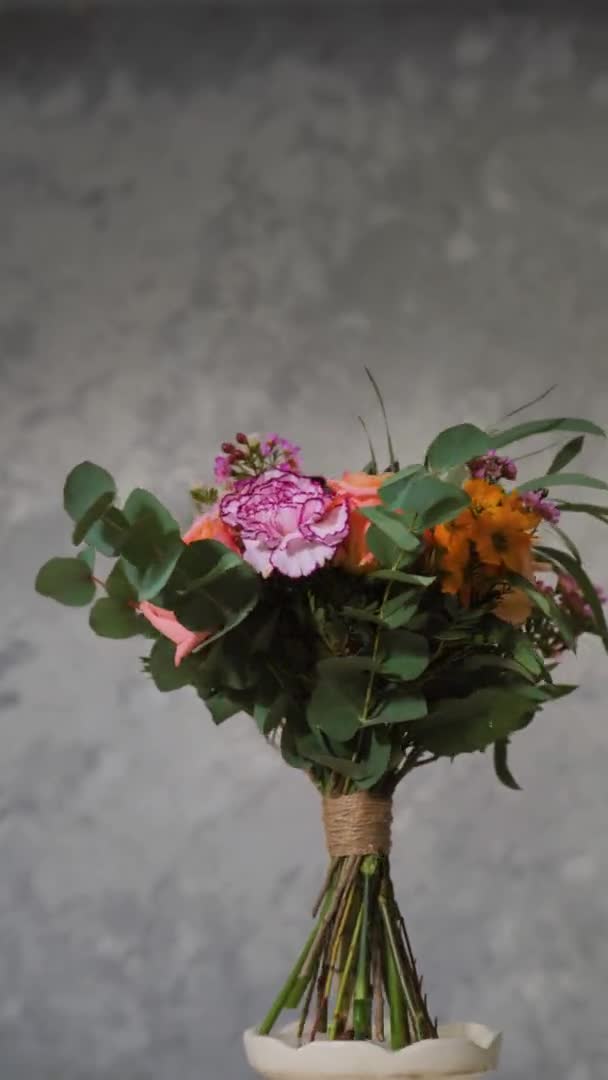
column 456, row 445
column 212, row 588
column 539, row 427
column 336, row 704
column 372, row 468
column 574, row 568
column 118, row 584
column 113, row 618
column 66, row 580
column 222, row 706
column 558, row 479
column 141, row 502
column 463, row 725
column 108, row 535
column 501, row 767
column 406, row 655
column 568, row 452
column 362, row 615
column 376, row 762
column 269, row 716
column 161, row 666
column 401, row 708
column 83, row 486
column 149, row 557
column 392, row 526
column 337, row 667
column 91, row 516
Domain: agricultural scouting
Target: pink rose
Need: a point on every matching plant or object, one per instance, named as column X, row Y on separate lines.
column 168, row 625
column 286, row 522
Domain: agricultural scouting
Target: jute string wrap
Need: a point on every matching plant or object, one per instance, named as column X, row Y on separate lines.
column 357, row 824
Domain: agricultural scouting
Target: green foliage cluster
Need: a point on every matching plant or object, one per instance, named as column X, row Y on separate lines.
column 357, row 678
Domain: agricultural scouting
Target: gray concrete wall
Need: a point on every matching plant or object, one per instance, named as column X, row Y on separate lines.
column 209, row 224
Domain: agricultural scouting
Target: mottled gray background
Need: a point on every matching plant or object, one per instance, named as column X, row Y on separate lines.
column 210, row 221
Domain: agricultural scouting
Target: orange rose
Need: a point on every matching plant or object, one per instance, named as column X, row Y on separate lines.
column 359, row 489
column 210, row 527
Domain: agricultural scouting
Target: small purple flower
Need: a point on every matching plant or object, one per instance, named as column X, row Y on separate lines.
column 222, row 469
column 540, row 504
column 573, row 598
column 287, row 522
column 492, row 467
column 281, row 452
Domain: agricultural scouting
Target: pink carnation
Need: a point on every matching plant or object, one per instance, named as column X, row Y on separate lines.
column 287, row 522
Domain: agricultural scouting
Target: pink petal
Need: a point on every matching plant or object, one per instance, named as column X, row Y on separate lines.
column 299, row 557
column 167, row 624
column 258, row 555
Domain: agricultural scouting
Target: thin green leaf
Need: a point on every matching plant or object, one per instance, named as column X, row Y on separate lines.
column 393, row 463
column 550, row 480
column 373, row 464
column 535, row 401
column 538, row 427
column 565, row 539
column 598, row 512
column 402, row 576
column 571, row 566
column 501, row 767
column 568, row 452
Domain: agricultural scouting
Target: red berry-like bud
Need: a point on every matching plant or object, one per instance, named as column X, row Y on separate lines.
column 242, row 439
column 237, row 455
column 227, row 447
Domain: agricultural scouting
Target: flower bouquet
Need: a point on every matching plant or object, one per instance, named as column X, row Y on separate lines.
column 370, row 625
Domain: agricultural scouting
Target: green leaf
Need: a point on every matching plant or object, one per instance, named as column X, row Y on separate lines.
column 539, row 427
column 432, row 499
column 269, row 716
column 400, row 575
column 574, row 568
column 222, row 706
column 464, row 725
column 108, row 535
column 362, row 615
column 393, row 464
column 141, row 502
column 149, row 557
column 113, row 618
column 91, row 516
column 387, row 553
column 456, row 445
column 394, row 490
column 338, row 667
column 83, row 486
column 212, row 588
column 376, row 762
column 557, row 479
column 599, row 512
column 400, row 708
column 392, row 526
column 372, row 468
column 406, row 654
column 68, row 581
column 399, row 610
column 567, row 453
column 525, row 655
column 161, row 666
column 87, row 555
column 528, row 404
column 343, row 766
column 546, row 604
column 565, row 539
column 118, row 584
column 336, row 704
column 501, row 767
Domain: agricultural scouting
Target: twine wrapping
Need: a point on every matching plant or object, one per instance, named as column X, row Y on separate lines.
column 357, row 824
